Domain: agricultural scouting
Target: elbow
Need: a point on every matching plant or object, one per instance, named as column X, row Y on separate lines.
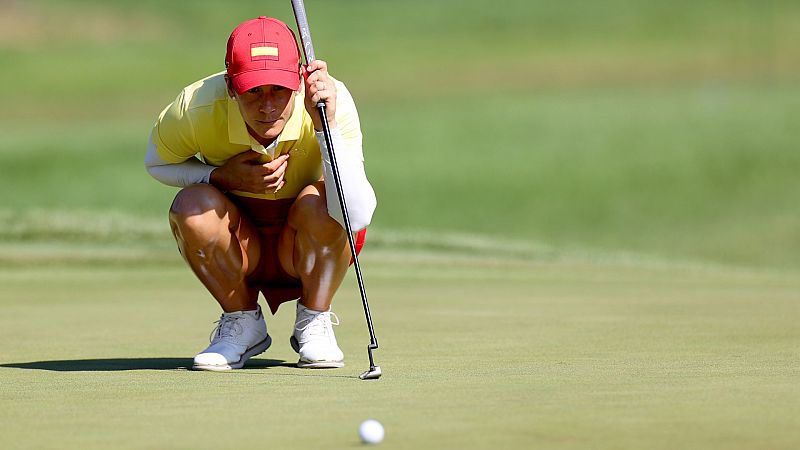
column 359, row 214
column 150, row 157
column 151, row 171
column 150, row 166
column 362, row 216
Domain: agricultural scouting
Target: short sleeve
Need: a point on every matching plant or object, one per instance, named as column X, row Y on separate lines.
column 173, row 132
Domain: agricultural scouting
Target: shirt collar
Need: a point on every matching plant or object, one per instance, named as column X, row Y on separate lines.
column 265, row 150
column 237, row 130
column 291, row 132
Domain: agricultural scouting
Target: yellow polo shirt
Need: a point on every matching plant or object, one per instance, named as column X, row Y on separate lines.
column 204, row 121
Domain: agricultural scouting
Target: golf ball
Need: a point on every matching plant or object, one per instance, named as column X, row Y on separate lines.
column 371, row 431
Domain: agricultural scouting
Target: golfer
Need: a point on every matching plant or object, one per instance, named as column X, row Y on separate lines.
column 258, row 211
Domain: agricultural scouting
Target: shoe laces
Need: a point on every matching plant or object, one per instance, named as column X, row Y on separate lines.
column 227, row 326
column 317, row 324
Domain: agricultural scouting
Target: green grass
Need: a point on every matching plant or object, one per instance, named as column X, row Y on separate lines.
column 627, row 126
column 477, row 353
column 587, row 231
column 704, row 173
column 648, row 169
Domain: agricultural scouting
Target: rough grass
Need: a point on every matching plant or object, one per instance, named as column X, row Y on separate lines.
column 623, row 126
column 706, row 173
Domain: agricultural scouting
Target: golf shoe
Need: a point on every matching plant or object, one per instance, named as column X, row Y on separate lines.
column 314, row 341
column 238, row 337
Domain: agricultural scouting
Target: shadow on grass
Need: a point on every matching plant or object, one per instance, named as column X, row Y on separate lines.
column 121, row 364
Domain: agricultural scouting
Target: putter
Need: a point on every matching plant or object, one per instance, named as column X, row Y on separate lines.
column 299, row 8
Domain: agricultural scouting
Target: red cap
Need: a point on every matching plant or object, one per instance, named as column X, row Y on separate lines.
column 263, row 51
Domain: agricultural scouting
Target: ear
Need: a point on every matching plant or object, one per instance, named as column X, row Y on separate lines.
column 228, row 83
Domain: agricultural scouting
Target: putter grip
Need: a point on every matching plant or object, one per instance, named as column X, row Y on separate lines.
column 305, row 31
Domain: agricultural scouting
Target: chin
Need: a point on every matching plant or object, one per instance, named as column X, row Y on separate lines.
column 273, row 131
column 270, row 134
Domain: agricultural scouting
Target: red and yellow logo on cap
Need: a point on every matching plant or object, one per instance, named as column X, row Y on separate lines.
column 264, row 50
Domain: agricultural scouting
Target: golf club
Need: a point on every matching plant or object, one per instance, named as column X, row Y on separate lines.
column 374, row 371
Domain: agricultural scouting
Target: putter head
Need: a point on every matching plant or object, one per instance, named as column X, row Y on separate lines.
column 373, row 373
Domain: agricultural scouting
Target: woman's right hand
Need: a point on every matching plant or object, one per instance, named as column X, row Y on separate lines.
column 245, row 173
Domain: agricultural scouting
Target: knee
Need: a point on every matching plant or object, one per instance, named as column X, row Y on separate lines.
column 195, row 207
column 196, row 200
column 309, row 213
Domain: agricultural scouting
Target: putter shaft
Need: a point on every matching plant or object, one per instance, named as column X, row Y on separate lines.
column 308, row 51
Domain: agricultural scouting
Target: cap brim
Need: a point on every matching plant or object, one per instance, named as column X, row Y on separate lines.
column 248, row 80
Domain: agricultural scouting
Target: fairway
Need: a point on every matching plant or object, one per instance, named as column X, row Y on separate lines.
column 486, row 352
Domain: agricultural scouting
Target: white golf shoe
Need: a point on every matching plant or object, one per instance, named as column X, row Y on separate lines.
column 238, row 337
column 314, row 340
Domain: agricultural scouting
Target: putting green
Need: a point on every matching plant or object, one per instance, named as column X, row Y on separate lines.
column 476, row 352
column 542, row 135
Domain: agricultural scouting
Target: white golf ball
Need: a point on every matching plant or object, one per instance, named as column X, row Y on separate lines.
column 371, row 431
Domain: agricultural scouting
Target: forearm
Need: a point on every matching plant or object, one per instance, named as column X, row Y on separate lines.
column 358, row 193
column 189, row 172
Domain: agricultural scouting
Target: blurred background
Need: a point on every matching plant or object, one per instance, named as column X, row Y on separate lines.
column 645, row 128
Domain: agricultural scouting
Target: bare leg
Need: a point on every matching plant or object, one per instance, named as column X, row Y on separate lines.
column 220, row 245
column 313, row 247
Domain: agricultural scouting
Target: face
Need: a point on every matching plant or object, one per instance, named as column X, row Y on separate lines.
column 265, row 110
